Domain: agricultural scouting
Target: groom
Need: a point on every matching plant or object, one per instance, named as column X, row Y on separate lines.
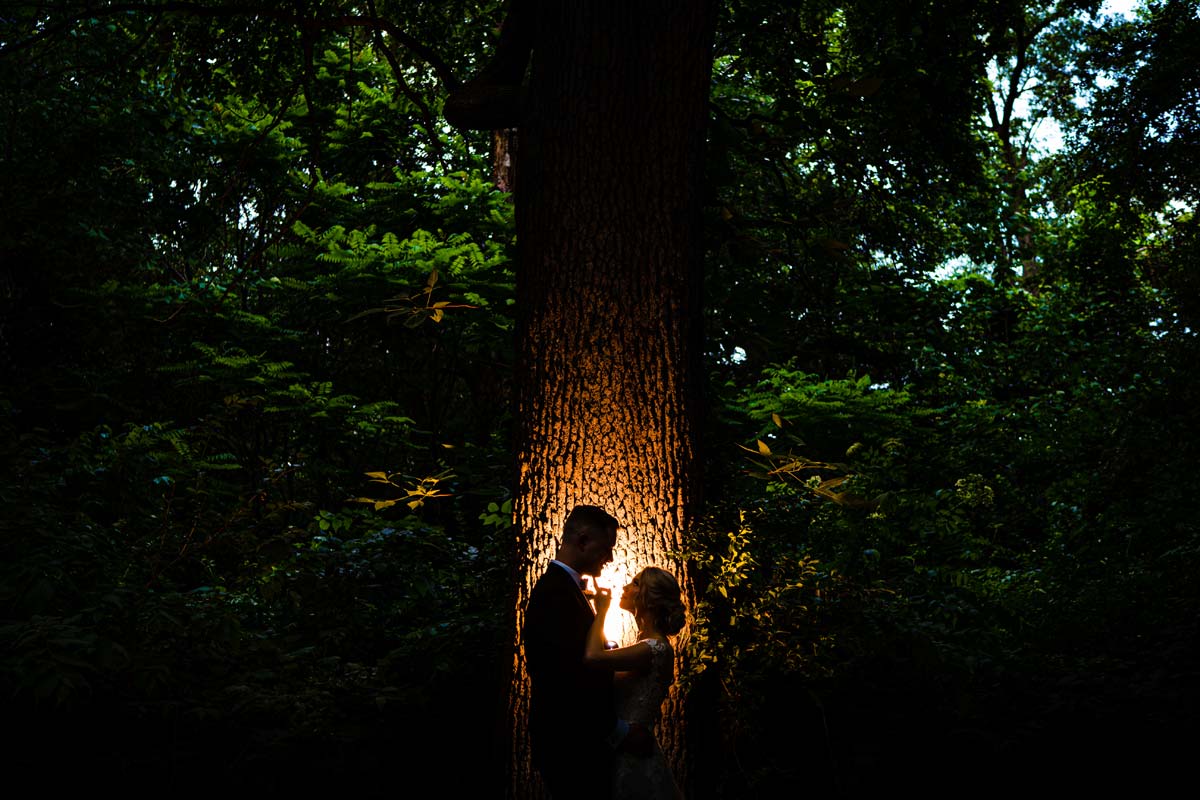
column 573, row 725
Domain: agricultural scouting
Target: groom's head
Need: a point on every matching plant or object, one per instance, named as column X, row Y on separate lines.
column 589, row 535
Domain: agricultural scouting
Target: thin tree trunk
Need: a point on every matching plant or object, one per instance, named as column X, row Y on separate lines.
column 504, row 159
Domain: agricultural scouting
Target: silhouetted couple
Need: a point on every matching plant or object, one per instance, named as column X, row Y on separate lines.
column 593, row 710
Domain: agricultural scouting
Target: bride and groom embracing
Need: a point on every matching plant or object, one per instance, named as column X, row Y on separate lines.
column 592, row 710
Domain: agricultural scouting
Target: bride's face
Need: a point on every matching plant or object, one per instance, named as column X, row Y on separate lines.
column 629, row 596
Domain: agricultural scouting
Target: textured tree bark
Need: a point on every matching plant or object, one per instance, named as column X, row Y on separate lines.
column 610, row 160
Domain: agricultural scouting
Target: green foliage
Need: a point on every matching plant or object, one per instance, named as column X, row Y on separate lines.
column 758, row 615
column 996, row 518
column 196, row 384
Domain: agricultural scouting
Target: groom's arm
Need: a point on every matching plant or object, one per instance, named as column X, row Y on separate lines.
column 554, row 652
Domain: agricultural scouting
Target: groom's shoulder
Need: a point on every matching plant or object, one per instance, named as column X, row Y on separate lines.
column 551, row 579
column 543, row 601
column 551, row 585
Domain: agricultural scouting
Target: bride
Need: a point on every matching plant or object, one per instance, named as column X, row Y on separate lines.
column 643, row 673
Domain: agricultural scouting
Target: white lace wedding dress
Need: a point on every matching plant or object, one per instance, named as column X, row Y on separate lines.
column 639, row 698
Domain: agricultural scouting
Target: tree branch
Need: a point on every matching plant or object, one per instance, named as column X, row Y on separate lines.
column 405, row 89
column 431, row 57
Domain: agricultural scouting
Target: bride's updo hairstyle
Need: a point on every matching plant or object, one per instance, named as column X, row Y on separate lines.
column 659, row 597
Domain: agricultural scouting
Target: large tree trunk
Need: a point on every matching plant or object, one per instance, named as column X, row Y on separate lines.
column 610, row 159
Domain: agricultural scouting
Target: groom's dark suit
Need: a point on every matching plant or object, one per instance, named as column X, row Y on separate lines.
column 571, row 705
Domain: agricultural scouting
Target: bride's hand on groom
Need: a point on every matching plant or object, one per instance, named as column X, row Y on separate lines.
column 602, row 599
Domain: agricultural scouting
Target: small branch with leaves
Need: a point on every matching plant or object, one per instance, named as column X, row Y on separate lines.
column 791, row 467
column 415, row 308
column 416, row 490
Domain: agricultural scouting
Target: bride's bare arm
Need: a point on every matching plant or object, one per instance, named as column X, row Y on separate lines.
column 635, row 657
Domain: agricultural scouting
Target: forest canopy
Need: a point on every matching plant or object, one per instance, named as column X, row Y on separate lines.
column 257, row 330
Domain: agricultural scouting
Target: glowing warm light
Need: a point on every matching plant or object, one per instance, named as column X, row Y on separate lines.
column 619, row 627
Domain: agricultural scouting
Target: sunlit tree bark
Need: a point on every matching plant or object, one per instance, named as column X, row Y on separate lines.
column 611, row 132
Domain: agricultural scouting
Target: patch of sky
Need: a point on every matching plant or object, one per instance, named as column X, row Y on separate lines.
column 1047, row 134
column 1119, row 8
column 958, row 267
